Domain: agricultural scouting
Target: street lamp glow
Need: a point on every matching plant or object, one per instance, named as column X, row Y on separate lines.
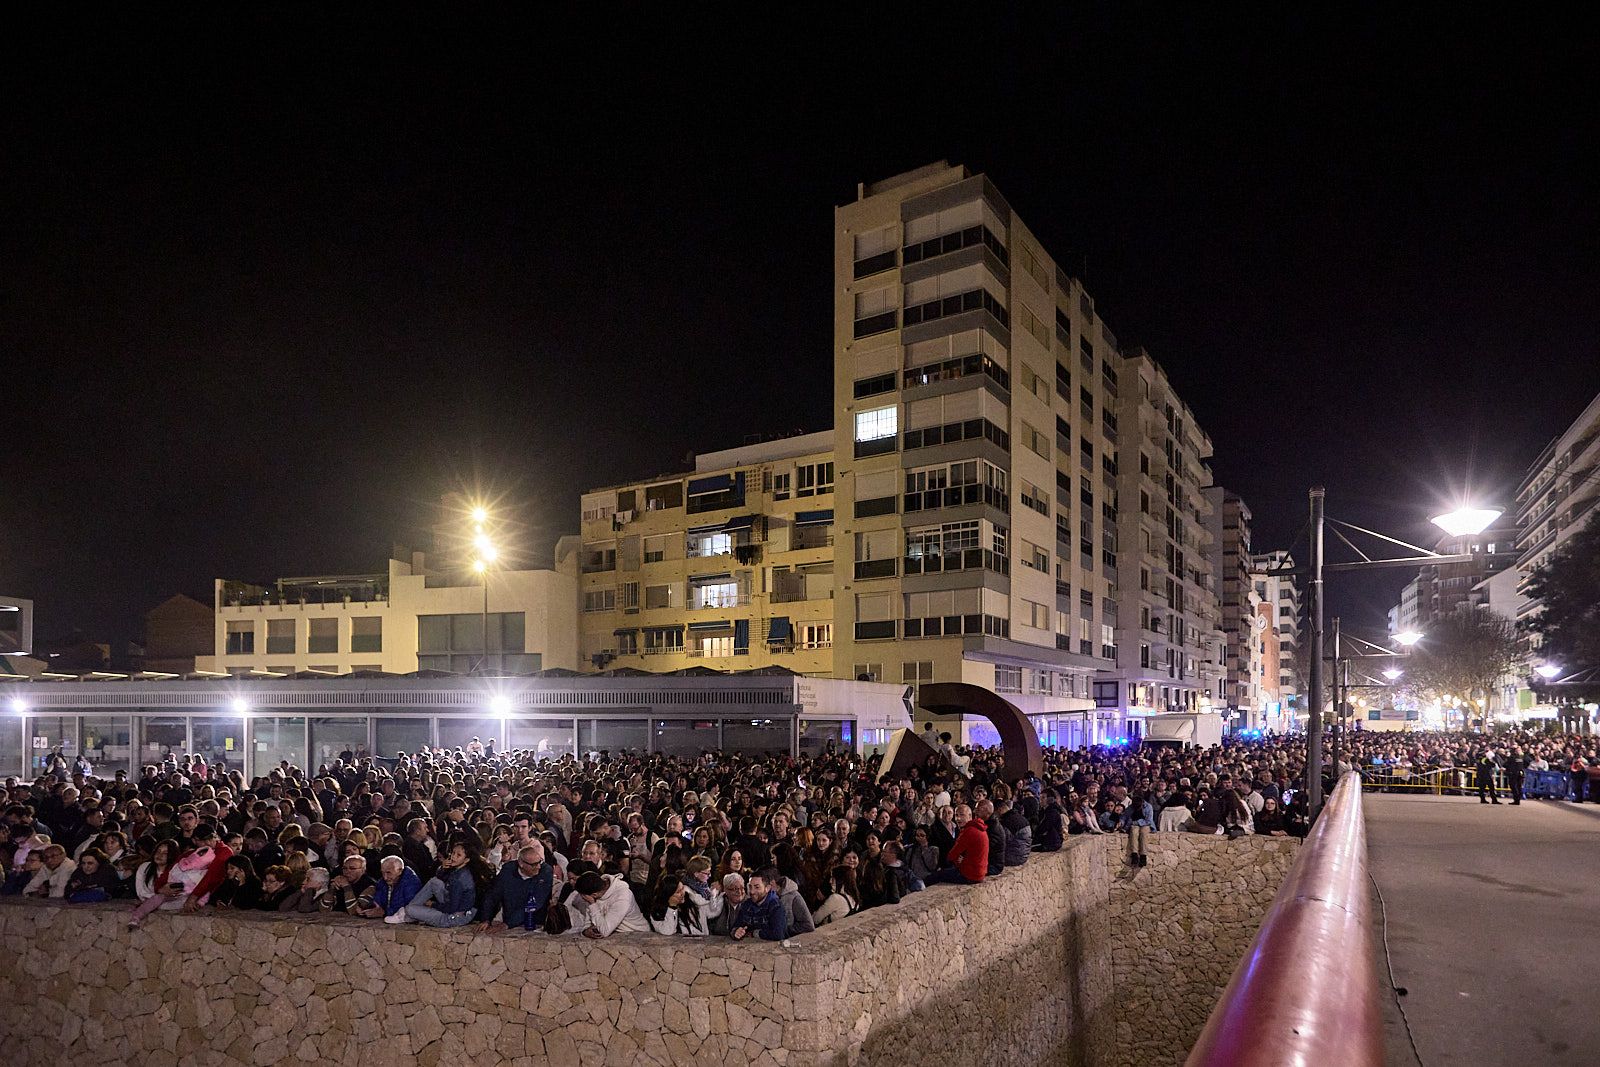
column 500, row 704
column 19, row 705
column 480, row 515
column 1464, row 522
column 479, row 566
column 1392, row 673
column 1547, row 671
column 1408, row 638
column 482, row 542
column 241, row 705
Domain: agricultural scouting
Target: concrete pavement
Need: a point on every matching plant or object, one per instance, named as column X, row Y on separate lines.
column 1493, row 928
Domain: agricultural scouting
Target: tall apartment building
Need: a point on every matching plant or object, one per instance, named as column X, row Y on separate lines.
column 405, row 619
column 981, row 407
column 1558, row 495
column 1446, row 588
column 1170, row 638
column 1281, row 592
column 1243, row 673
column 730, row 567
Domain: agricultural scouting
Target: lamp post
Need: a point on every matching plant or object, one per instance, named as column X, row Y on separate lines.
column 1462, row 522
column 486, row 554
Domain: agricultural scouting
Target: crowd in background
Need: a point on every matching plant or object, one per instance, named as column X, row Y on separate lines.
column 718, row 845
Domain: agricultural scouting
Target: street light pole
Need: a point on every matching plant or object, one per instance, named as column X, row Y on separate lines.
column 484, row 662
column 1338, row 700
column 1314, row 720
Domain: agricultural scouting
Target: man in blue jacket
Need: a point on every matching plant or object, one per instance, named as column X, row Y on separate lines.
column 762, row 914
column 390, row 893
column 521, row 891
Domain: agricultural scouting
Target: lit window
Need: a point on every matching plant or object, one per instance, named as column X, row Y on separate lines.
column 877, row 424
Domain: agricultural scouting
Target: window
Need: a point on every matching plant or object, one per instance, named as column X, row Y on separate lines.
column 781, row 484
column 663, row 596
column 715, row 543
column 814, row 479
column 663, row 496
column 1037, row 443
column 875, row 493
column 714, row 645
column 628, row 643
column 366, row 633
column 876, row 311
column 1007, row 679
column 1034, row 556
column 1034, row 497
column 876, row 552
column 280, row 637
column 628, row 596
column 875, row 251
column 875, row 385
column 970, row 481
column 241, row 639
column 914, row 674
column 599, row 599
column 324, row 636
column 874, row 616
column 663, row 641
column 876, row 431
column 456, row 642
column 1037, row 615
column 867, row 672
column 816, row 635
column 954, row 612
column 655, row 547
column 1033, row 324
column 599, row 556
column 599, row 508
column 714, row 594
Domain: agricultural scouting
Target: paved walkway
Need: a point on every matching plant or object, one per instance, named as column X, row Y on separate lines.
column 1493, row 928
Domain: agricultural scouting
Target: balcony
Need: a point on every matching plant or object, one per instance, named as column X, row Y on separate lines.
column 968, row 559
column 874, row 568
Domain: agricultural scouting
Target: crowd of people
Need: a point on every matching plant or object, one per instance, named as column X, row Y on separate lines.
column 721, row 845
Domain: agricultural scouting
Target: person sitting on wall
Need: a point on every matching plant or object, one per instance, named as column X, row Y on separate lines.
column 349, row 886
column 968, row 861
column 449, row 899
column 724, row 907
column 240, row 889
column 397, row 886
column 93, row 880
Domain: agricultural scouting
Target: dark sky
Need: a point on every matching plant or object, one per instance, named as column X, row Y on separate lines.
column 269, row 286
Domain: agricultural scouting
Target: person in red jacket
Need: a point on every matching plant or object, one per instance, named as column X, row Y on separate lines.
column 969, row 856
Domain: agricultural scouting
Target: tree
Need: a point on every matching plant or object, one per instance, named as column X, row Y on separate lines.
column 1567, row 587
column 1463, row 658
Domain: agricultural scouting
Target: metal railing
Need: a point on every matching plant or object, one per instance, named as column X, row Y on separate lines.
column 1306, row 992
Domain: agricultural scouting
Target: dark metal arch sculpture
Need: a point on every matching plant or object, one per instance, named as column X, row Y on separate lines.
column 1018, row 739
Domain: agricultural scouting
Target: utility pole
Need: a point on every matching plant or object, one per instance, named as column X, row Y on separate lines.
column 1314, row 721
column 1338, row 704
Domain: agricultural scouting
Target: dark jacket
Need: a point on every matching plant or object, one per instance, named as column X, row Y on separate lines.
column 1051, row 828
column 418, row 858
column 997, row 845
column 511, row 893
column 1019, row 837
column 765, row 918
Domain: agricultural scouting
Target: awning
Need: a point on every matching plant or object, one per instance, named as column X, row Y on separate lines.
column 717, row 483
column 715, row 527
column 625, row 630
column 725, row 576
column 779, row 629
column 701, row 627
column 740, row 522
column 675, row 628
column 813, row 518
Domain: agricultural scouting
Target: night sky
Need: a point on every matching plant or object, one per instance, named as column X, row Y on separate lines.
column 271, row 285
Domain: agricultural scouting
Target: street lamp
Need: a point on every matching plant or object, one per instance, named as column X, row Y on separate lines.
column 485, row 555
column 1392, row 673
column 1547, row 671
column 1408, row 638
column 19, row 705
column 241, row 705
column 1464, row 522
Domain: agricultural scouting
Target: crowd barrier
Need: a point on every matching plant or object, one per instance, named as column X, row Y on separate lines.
column 1461, row 781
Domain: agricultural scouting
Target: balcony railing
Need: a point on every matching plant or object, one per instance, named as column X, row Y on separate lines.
column 968, row 559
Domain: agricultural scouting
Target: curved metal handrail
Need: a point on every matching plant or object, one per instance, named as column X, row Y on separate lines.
column 1306, row 993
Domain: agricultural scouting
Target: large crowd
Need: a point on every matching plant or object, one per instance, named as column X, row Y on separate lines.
column 720, row 845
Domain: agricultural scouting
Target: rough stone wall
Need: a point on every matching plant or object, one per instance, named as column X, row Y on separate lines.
column 1176, row 930
column 1069, row 961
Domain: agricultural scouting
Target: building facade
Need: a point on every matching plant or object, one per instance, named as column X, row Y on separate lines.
column 178, row 632
column 1279, row 590
column 1244, row 650
column 405, row 619
column 1557, row 496
column 254, row 724
column 730, row 567
column 982, row 414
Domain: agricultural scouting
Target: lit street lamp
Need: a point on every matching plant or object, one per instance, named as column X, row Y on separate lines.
column 1464, row 522
column 1392, row 673
column 1409, row 638
column 1547, row 671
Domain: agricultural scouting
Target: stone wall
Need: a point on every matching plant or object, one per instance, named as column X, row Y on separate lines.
column 1177, row 929
column 1029, row 963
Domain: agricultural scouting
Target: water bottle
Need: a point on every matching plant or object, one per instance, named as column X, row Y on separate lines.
column 528, row 913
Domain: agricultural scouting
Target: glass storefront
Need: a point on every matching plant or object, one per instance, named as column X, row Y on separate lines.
column 458, row 733
column 756, row 737
column 613, row 735
column 276, row 739
column 676, row 737
column 10, row 746
column 816, row 733
column 548, row 737
column 108, row 743
column 220, row 742
column 402, row 735
column 335, row 738
column 161, row 736
column 51, row 733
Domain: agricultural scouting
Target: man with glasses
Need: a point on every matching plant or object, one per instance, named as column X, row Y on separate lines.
column 348, row 886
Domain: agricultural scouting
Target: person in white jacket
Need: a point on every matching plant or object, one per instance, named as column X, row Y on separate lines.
column 611, row 906
column 51, row 878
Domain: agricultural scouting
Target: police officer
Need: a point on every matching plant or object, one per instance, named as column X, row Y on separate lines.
column 1487, row 765
column 1516, row 763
